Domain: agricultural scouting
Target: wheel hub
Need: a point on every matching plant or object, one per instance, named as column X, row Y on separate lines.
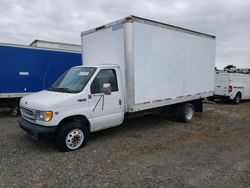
column 74, row 138
column 189, row 113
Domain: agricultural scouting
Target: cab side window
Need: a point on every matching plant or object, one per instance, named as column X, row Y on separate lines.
column 104, row 76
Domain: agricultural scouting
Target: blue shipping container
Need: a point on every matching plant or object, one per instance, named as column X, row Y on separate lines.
column 32, row 69
column 26, row 69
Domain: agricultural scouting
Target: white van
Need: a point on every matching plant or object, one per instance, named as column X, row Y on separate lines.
column 232, row 86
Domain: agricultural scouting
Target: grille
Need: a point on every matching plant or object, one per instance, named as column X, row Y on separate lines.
column 28, row 113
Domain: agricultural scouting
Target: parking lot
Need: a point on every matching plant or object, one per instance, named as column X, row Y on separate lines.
column 151, row 151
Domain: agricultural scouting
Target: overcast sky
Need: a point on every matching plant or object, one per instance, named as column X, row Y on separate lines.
column 22, row 21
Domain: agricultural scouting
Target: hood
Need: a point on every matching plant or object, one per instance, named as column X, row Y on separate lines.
column 44, row 99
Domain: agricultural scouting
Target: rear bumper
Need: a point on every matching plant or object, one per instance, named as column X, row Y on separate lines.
column 36, row 131
column 222, row 97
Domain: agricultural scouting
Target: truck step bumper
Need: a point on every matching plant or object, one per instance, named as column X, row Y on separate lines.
column 222, row 97
column 36, row 131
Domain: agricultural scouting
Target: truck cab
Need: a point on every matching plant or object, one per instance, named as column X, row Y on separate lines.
column 84, row 97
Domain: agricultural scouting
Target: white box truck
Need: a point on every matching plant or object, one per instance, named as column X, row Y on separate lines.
column 232, row 85
column 131, row 65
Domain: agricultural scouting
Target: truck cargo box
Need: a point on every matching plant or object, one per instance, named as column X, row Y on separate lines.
column 161, row 64
column 25, row 69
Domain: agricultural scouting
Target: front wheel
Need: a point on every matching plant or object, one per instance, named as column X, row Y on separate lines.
column 72, row 136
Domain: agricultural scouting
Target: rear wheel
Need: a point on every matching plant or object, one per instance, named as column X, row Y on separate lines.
column 72, row 136
column 186, row 112
column 237, row 98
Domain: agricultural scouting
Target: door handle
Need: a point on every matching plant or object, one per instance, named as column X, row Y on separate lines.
column 120, row 102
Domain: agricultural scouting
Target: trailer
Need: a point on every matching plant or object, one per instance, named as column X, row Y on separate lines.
column 55, row 45
column 131, row 66
column 232, row 85
column 25, row 70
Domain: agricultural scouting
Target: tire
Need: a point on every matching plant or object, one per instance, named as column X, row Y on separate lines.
column 72, row 136
column 186, row 112
column 177, row 113
column 237, row 98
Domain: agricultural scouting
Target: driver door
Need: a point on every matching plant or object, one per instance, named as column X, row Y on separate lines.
column 106, row 110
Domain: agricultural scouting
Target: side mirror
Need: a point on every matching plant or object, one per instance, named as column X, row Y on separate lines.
column 107, row 89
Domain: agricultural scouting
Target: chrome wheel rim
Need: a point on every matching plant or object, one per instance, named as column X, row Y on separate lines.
column 74, row 139
column 189, row 113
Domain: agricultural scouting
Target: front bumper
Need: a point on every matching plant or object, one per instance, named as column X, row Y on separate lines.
column 36, row 131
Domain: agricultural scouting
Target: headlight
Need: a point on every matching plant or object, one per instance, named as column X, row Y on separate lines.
column 44, row 116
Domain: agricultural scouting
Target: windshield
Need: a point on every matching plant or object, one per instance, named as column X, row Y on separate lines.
column 74, row 80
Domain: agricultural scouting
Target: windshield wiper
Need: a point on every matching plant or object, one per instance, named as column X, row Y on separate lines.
column 61, row 89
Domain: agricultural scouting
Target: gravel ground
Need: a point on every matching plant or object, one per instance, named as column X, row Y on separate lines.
column 151, row 151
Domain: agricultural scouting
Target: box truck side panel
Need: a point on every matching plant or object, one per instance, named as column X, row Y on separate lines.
column 104, row 47
column 18, row 74
column 24, row 70
column 58, row 63
column 171, row 63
